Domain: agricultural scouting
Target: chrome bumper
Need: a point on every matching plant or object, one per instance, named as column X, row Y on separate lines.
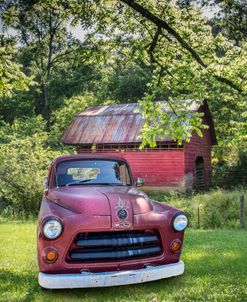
column 85, row 280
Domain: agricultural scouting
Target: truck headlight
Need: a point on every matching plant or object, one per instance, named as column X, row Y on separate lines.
column 179, row 222
column 52, row 228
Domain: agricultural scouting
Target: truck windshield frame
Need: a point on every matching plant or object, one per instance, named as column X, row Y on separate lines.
column 92, row 172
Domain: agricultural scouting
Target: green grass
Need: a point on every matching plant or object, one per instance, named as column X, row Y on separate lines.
column 215, row 262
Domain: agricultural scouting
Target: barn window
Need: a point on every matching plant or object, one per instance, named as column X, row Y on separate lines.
column 199, row 177
column 128, row 147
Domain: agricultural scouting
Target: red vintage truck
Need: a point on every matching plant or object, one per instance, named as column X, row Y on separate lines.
column 96, row 228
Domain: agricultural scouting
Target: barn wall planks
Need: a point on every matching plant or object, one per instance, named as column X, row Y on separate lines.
column 164, row 168
column 115, row 129
column 197, row 147
column 170, row 168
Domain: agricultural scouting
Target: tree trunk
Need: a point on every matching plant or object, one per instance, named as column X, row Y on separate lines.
column 46, row 108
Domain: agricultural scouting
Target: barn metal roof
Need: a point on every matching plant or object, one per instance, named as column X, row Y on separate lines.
column 125, row 109
column 112, row 124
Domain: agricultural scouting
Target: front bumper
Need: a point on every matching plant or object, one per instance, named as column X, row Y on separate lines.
column 85, row 280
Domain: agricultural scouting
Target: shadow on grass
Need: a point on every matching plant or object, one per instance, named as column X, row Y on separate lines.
column 24, row 287
column 16, row 286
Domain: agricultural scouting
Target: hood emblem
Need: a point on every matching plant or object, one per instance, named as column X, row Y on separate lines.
column 122, row 209
column 122, row 214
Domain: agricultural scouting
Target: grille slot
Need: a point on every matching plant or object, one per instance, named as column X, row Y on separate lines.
column 118, row 245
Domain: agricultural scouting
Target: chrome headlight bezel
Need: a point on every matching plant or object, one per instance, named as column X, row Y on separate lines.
column 56, row 222
column 179, row 222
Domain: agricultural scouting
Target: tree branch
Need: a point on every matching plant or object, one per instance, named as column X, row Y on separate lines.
column 153, row 44
column 163, row 24
column 151, row 47
column 60, row 56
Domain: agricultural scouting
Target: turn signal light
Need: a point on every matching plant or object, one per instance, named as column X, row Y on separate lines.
column 176, row 246
column 51, row 256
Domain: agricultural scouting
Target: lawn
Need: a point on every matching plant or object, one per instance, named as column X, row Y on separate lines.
column 215, row 262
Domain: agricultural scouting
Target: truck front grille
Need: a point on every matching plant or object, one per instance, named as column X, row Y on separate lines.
column 119, row 245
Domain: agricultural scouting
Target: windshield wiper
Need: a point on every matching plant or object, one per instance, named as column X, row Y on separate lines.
column 78, row 182
column 108, row 183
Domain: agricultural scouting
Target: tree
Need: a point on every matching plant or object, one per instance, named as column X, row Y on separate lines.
column 47, row 49
column 11, row 76
column 187, row 59
column 174, row 41
column 230, row 17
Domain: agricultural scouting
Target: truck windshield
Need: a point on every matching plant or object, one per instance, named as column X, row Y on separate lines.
column 92, row 172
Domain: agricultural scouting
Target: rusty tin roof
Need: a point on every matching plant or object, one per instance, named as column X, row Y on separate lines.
column 112, row 124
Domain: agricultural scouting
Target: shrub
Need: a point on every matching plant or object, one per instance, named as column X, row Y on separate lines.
column 221, row 209
column 24, row 162
column 230, row 171
column 26, row 151
column 217, row 209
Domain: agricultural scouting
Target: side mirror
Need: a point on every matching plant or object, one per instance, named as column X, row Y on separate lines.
column 139, row 182
column 45, row 185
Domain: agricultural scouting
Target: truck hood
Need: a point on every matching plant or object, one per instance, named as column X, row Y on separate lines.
column 102, row 200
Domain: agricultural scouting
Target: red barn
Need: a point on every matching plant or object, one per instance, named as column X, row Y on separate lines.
column 115, row 129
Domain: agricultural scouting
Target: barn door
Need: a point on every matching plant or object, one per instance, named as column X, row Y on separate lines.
column 199, row 176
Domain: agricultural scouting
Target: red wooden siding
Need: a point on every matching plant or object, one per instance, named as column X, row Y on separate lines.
column 168, row 168
column 197, row 147
column 115, row 130
column 163, row 169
